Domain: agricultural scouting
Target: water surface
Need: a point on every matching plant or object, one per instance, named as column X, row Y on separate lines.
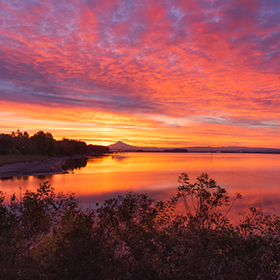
column 255, row 176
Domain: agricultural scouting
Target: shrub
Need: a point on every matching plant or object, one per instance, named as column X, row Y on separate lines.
column 48, row 236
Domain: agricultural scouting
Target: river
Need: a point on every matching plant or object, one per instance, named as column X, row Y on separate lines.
column 255, row 176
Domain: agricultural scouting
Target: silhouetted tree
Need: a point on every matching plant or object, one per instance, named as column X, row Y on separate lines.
column 6, row 142
column 43, row 144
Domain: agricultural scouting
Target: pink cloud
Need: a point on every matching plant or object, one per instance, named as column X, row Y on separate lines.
column 183, row 59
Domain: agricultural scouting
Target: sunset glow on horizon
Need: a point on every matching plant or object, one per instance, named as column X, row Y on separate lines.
column 165, row 73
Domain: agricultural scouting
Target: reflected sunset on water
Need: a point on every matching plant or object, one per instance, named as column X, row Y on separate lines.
column 255, row 176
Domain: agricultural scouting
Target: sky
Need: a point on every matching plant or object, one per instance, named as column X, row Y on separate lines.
column 168, row 73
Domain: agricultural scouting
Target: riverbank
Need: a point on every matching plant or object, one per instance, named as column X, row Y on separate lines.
column 47, row 166
column 9, row 159
column 43, row 166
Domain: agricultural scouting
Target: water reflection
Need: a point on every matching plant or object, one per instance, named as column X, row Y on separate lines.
column 14, row 178
column 74, row 164
column 255, row 176
column 6, row 178
column 119, row 158
column 70, row 165
column 43, row 177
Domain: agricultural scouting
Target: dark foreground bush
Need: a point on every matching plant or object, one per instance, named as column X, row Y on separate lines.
column 48, row 236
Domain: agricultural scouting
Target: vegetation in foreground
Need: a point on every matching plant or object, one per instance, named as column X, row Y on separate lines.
column 48, row 236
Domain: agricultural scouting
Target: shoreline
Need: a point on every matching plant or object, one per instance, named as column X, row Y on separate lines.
column 49, row 166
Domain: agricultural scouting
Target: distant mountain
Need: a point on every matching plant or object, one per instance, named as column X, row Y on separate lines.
column 123, row 147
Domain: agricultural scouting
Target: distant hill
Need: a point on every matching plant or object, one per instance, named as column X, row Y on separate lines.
column 232, row 150
column 123, row 147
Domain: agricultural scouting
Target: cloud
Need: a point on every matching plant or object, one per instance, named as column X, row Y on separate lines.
column 178, row 59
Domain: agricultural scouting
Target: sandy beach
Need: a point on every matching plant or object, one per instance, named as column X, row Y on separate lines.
column 44, row 167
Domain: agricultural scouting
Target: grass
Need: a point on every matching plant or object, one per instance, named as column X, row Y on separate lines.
column 8, row 159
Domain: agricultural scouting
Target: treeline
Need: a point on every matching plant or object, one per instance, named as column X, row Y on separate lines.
column 42, row 143
column 48, row 236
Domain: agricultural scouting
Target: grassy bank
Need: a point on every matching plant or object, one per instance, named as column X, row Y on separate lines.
column 8, row 159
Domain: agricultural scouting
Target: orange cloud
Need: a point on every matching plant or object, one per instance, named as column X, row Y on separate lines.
column 166, row 73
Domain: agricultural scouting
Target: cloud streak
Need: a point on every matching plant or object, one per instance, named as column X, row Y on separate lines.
column 186, row 60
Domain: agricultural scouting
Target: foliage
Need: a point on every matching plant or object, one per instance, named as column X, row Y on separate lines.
column 48, row 236
column 204, row 201
column 41, row 143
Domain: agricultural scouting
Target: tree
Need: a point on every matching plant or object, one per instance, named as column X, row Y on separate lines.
column 43, row 143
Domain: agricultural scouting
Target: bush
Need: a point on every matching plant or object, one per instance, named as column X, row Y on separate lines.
column 48, row 236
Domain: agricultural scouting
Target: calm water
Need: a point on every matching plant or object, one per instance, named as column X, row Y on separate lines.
column 255, row 176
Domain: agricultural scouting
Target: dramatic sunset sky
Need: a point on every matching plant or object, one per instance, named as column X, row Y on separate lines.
column 150, row 73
